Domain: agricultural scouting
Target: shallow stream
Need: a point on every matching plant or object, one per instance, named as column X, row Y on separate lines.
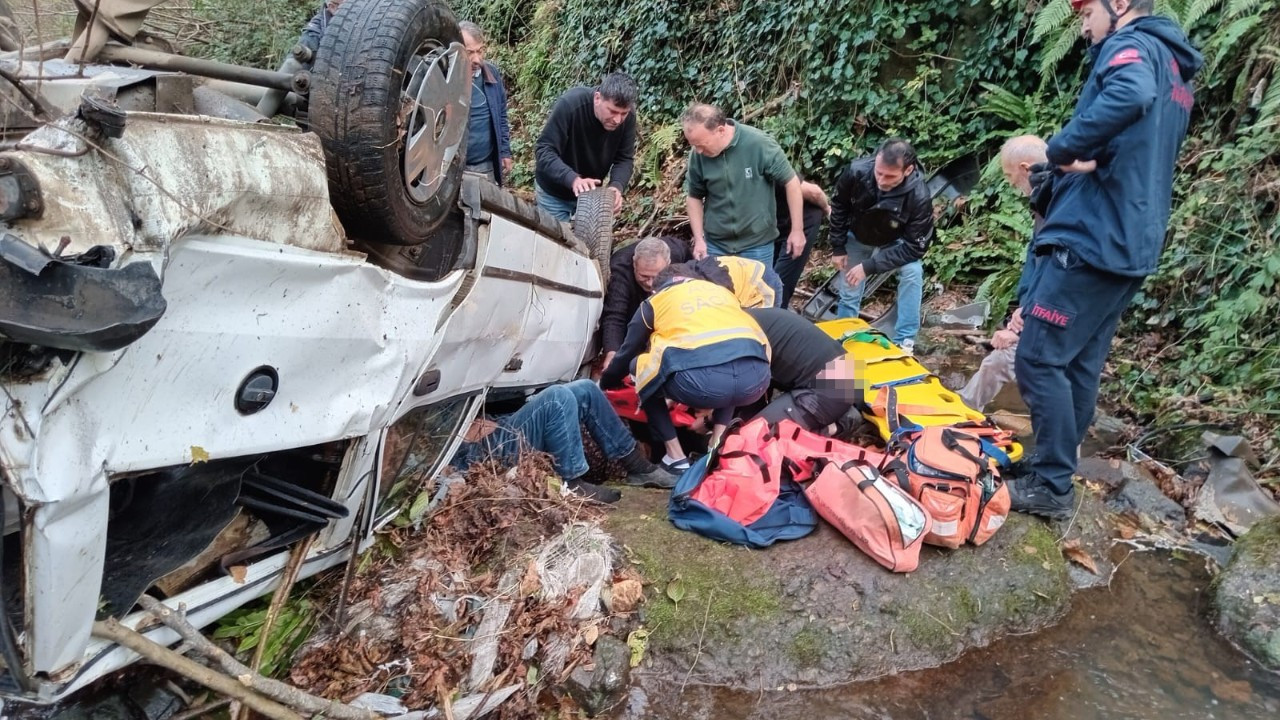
column 1142, row 649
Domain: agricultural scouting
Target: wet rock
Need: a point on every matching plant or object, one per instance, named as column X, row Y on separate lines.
column 1110, row 473
column 601, row 688
column 1107, row 430
column 1141, row 494
column 1247, row 594
column 817, row 612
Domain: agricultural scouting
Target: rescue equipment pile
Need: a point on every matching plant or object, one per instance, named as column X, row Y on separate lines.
column 936, row 482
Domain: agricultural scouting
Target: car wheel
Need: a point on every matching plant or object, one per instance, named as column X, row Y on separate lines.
column 593, row 226
column 390, row 97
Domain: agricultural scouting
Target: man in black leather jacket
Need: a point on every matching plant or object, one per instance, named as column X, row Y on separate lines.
column 882, row 221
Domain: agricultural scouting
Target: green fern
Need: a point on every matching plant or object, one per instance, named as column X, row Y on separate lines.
column 656, row 147
column 1007, row 105
column 1236, row 8
column 1196, row 11
column 1053, row 55
column 1051, row 18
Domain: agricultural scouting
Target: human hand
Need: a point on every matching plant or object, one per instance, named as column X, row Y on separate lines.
column 855, row 275
column 1015, row 320
column 840, row 261
column 1004, row 339
column 795, row 243
column 608, row 357
column 617, row 199
column 699, row 248
column 507, row 164
column 581, row 185
column 1080, row 166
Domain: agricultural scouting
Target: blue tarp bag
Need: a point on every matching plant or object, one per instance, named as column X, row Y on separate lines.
column 790, row 517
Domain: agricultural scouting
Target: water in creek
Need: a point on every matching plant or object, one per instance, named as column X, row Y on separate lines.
column 1142, row 650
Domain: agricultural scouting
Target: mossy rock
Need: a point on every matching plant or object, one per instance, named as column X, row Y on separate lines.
column 817, row 612
column 1247, row 594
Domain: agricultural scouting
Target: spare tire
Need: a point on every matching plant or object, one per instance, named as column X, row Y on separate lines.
column 390, row 96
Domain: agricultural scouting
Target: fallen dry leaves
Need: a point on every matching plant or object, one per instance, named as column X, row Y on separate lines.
column 480, row 529
column 625, row 596
column 1076, row 554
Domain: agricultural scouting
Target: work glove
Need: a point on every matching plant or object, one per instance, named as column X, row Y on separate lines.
column 1042, row 178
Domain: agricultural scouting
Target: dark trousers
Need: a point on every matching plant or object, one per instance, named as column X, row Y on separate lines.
column 719, row 388
column 790, row 269
column 1069, row 319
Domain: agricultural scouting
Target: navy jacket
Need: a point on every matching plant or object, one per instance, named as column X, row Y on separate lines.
column 1131, row 118
column 879, row 218
column 495, row 93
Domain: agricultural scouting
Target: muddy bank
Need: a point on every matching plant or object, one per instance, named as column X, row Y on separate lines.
column 816, row 612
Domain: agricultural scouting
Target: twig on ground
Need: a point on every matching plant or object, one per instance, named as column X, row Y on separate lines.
column 935, row 619
column 1117, row 567
column 701, row 634
column 274, row 689
column 1071, row 523
column 112, row 630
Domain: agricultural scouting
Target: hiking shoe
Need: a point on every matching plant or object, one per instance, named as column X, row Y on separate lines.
column 590, row 491
column 1035, row 498
column 908, row 346
column 655, row 478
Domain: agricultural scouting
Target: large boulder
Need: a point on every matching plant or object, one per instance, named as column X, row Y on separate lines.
column 817, row 612
column 1247, row 594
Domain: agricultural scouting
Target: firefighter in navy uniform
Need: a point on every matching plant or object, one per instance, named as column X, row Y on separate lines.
column 1104, row 229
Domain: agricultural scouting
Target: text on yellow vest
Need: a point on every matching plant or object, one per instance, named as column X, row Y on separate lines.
column 693, row 314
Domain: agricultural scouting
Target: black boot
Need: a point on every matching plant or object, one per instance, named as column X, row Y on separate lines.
column 642, row 473
column 589, row 491
column 1030, row 496
column 635, row 462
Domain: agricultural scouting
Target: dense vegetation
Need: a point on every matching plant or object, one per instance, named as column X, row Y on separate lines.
column 829, row 80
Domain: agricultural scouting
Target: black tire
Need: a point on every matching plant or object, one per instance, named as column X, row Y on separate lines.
column 593, row 226
column 374, row 54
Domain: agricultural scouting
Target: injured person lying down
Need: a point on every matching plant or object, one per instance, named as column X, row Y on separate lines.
column 810, row 371
column 552, row 421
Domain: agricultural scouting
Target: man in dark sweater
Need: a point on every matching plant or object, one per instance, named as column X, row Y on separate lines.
column 590, row 134
column 808, row 366
column 632, row 271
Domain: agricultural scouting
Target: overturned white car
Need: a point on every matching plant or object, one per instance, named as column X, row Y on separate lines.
column 208, row 322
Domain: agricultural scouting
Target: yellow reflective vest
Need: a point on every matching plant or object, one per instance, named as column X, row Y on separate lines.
column 688, row 319
column 748, row 281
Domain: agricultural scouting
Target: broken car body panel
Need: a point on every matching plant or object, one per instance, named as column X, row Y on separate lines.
column 254, row 271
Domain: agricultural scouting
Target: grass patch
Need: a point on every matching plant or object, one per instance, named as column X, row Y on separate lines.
column 722, row 584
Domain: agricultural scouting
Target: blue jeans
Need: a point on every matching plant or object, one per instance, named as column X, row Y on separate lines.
column 562, row 210
column 551, row 422
column 1069, row 318
column 910, row 291
column 720, row 388
column 763, row 253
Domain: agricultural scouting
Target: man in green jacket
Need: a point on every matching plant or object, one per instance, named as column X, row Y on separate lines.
column 729, row 188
